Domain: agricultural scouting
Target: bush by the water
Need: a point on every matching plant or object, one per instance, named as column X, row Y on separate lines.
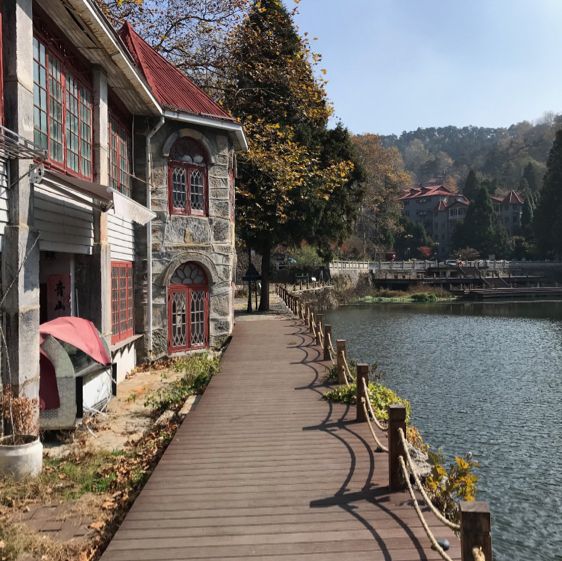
column 424, row 297
column 380, row 396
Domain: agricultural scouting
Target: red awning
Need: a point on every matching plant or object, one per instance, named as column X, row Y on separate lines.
column 80, row 333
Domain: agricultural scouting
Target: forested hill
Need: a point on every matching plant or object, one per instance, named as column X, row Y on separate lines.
column 499, row 154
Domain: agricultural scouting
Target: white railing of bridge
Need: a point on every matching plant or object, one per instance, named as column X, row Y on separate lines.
column 341, row 267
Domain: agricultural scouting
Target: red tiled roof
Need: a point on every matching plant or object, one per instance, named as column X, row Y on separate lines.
column 457, row 200
column 513, row 197
column 420, row 192
column 173, row 89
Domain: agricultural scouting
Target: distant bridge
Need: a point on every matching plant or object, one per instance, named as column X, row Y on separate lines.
column 501, row 266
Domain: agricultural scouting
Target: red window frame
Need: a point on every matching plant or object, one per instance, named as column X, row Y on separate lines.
column 1, row 63
column 122, row 308
column 189, row 169
column 119, row 155
column 188, row 290
column 81, row 128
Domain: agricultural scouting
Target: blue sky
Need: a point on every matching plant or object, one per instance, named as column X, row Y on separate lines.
column 396, row 65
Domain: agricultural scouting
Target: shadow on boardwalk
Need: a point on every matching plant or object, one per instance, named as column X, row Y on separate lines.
column 264, row 468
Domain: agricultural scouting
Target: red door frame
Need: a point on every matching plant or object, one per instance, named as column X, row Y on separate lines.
column 187, row 289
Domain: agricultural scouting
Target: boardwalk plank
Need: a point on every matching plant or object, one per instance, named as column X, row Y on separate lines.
column 265, row 469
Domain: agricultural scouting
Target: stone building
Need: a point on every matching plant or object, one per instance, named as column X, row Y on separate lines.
column 509, row 209
column 440, row 210
column 116, row 190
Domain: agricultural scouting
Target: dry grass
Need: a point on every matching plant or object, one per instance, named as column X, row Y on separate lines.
column 17, row 541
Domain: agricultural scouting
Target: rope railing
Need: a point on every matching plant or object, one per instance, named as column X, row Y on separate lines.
column 377, row 422
column 414, row 472
column 434, row 543
column 474, row 527
column 346, row 370
column 375, row 437
column 331, row 349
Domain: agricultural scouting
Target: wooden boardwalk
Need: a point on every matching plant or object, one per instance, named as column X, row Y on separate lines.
column 264, row 468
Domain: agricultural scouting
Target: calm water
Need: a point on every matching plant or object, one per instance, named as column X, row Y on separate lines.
column 485, row 378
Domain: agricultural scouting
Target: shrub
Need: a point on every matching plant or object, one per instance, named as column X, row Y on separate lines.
column 424, row 297
column 381, row 397
column 198, row 371
column 446, row 487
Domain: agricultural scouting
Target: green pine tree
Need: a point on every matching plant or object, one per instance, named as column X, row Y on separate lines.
column 527, row 217
column 530, row 175
column 471, row 186
column 548, row 214
column 481, row 229
column 292, row 172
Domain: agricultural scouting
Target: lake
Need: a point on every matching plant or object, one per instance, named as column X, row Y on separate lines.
column 484, row 378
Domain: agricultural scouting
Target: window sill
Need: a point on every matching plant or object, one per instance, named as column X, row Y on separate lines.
column 125, row 342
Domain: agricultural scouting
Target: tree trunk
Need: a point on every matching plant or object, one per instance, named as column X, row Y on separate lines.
column 265, row 266
column 250, row 283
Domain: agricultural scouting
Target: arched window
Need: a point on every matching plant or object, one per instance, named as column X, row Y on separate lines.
column 187, row 178
column 188, row 309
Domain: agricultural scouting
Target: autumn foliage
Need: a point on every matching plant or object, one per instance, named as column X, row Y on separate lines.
column 285, row 182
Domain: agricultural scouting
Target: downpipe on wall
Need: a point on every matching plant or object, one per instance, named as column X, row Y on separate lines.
column 149, row 136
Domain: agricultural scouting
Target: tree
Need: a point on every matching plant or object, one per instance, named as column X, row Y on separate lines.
column 548, row 214
column 378, row 223
column 295, row 168
column 530, row 175
column 471, row 186
column 325, row 222
column 412, row 237
column 190, row 33
column 481, row 229
column 527, row 218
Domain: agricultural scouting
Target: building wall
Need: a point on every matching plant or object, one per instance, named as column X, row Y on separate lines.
column 420, row 210
column 121, row 237
column 208, row 241
column 64, row 224
column 3, row 199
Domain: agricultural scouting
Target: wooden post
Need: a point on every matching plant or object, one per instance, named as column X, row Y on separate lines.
column 340, row 348
column 327, row 337
column 475, row 529
column 319, row 321
column 362, row 374
column 396, row 420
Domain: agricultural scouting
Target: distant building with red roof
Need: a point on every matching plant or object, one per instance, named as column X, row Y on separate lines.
column 440, row 210
column 509, row 209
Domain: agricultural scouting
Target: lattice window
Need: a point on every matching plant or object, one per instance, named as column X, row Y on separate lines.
column 187, row 178
column 189, row 274
column 41, row 134
column 121, row 300
column 119, row 160
column 188, row 308
column 179, row 188
column 197, row 319
column 197, row 191
column 179, row 319
column 62, row 112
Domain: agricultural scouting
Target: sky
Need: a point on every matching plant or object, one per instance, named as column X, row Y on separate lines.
column 395, row 65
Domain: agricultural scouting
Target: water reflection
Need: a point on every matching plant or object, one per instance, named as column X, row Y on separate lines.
column 484, row 377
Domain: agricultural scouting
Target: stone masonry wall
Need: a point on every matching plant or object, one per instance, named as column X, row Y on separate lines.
column 209, row 241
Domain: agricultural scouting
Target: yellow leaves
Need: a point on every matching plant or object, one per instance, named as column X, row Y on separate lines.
column 97, row 525
column 448, row 486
